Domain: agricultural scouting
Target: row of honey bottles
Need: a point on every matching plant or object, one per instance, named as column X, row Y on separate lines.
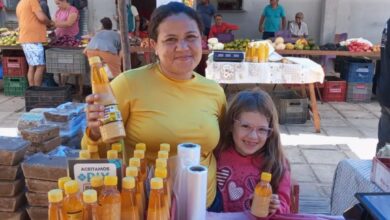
column 257, row 53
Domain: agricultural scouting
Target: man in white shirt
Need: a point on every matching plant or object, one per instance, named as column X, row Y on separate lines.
column 298, row 28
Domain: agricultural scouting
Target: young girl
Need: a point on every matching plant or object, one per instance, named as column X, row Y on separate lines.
column 250, row 144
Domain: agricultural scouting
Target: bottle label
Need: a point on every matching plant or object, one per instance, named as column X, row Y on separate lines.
column 77, row 215
column 111, row 114
column 260, row 206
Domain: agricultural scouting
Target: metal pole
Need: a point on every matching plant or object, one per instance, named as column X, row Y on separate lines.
column 122, row 16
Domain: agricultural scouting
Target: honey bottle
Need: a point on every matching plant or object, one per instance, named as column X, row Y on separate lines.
column 266, row 53
column 129, row 209
column 156, row 209
column 262, row 196
column 261, row 53
column 140, row 146
column 140, row 191
column 73, row 204
column 97, row 184
column 162, row 173
column 166, row 147
column 112, row 128
column 110, row 199
column 84, row 155
column 61, row 182
column 140, row 154
column 90, row 211
column 118, row 147
column 163, row 154
column 55, row 211
column 161, row 162
column 93, row 151
column 112, row 154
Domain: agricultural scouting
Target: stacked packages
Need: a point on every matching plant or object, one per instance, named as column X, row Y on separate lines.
column 12, row 197
column 43, row 138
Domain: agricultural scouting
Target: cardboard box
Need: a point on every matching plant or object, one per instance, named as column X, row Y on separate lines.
column 380, row 173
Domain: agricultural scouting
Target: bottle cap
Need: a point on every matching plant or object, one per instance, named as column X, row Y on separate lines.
column 134, row 162
column 71, row 187
column 92, row 148
column 90, row 196
column 163, row 154
column 112, row 154
column 139, row 154
column 132, row 171
column 140, row 146
column 117, row 147
column 97, row 181
column 110, row 180
column 55, row 195
column 84, row 155
column 128, row 182
column 160, row 172
column 62, row 181
column 94, row 60
column 156, row 183
column 161, row 162
column 266, row 176
column 165, row 146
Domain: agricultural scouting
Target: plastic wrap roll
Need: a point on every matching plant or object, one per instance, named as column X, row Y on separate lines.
column 196, row 192
column 188, row 154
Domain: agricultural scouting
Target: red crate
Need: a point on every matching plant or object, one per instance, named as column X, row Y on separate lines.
column 15, row 66
column 335, row 90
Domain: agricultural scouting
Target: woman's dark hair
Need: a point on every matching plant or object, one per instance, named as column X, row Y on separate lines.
column 106, row 23
column 172, row 8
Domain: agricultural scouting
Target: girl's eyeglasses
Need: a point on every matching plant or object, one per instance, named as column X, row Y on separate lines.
column 247, row 129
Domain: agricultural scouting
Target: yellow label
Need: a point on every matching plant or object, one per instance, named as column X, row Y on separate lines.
column 111, row 114
column 77, row 215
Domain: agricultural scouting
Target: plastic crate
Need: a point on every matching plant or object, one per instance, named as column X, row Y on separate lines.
column 361, row 72
column 291, row 108
column 10, row 4
column 334, row 90
column 47, row 97
column 15, row 86
column 15, row 66
column 1, row 71
column 359, row 92
column 60, row 60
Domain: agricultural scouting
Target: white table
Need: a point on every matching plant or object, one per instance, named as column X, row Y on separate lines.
column 351, row 176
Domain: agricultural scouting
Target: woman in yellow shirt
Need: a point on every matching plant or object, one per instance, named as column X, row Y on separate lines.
column 167, row 102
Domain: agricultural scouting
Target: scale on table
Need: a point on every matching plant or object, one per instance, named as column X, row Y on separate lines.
column 228, row 56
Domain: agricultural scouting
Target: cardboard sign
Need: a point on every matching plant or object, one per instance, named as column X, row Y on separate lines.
column 83, row 170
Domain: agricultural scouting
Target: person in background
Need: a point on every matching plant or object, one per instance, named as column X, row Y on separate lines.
column 383, row 90
column 272, row 15
column 221, row 27
column 133, row 19
column 249, row 145
column 298, row 28
column 106, row 44
column 66, row 19
column 33, row 25
column 185, row 106
column 206, row 12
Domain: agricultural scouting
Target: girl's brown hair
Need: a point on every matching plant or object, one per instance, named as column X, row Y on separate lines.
column 256, row 100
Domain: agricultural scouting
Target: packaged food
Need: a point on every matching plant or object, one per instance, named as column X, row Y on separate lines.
column 40, row 186
column 48, row 145
column 11, row 188
column 37, row 213
column 30, row 120
column 21, row 214
column 12, row 150
column 11, row 204
column 41, row 133
column 37, row 199
column 10, row 172
column 45, row 167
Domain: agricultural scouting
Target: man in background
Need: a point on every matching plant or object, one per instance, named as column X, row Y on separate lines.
column 272, row 15
column 206, row 11
column 221, row 27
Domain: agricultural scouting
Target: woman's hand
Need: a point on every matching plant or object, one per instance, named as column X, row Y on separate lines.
column 94, row 113
column 274, row 204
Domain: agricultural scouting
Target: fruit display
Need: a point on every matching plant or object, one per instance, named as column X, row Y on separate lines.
column 376, row 48
column 238, row 44
column 213, row 44
column 65, row 41
column 279, row 44
column 357, row 45
column 8, row 38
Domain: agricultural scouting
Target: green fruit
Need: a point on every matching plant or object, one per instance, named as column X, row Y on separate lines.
column 307, row 47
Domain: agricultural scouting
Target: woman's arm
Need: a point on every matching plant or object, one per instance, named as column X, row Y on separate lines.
column 72, row 18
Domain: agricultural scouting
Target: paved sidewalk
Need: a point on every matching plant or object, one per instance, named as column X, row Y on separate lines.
column 347, row 131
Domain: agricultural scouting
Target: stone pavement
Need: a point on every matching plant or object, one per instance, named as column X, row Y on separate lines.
column 347, row 131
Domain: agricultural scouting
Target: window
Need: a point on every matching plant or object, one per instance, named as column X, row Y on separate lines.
column 229, row 4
